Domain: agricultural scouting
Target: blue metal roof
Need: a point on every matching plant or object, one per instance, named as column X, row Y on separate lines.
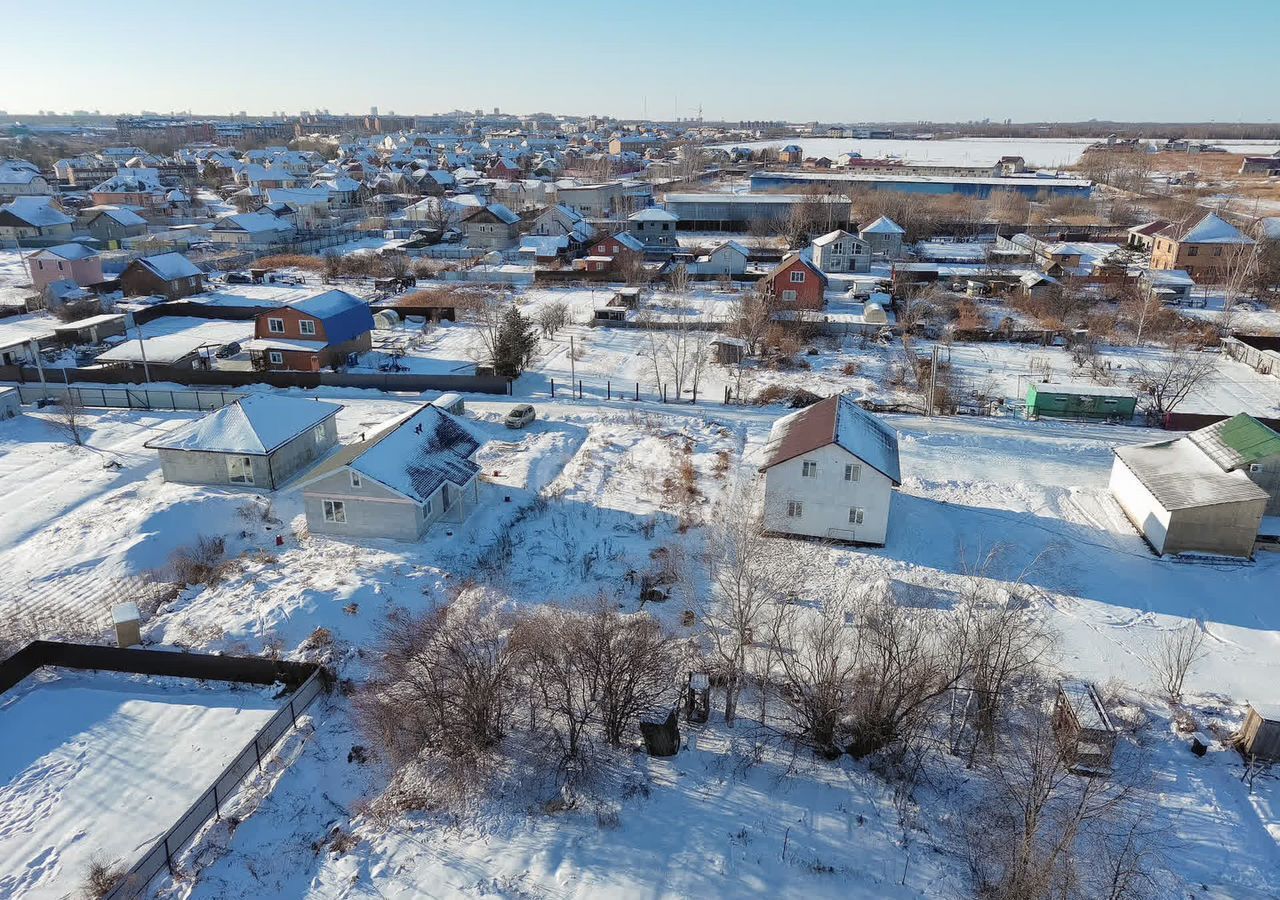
column 345, row 316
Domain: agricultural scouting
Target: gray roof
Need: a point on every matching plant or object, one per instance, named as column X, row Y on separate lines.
column 1179, row 476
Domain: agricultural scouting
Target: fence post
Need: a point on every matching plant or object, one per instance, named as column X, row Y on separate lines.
column 637, row 391
column 695, row 395
column 217, row 808
column 553, row 388
column 608, row 390
column 579, row 388
column 293, row 715
column 168, row 857
column 173, row 401
column 257, row 752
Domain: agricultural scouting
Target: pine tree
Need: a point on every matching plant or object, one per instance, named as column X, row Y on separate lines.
column 516, row 343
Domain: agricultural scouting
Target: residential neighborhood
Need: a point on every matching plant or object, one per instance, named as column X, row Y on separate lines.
column 435, row 471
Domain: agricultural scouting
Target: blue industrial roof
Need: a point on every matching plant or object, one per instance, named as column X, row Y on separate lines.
column 344, row 316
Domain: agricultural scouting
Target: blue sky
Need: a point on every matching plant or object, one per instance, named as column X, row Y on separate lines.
column 847, row 61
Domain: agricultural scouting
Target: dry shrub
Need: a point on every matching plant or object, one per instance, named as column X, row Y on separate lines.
column 103, row 876
column 204, row 562
column 968, row 317
column 722, row 464
column 796, row 398
column 290, row 261
column 851, row 368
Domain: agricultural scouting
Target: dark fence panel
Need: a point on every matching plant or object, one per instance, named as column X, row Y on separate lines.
column 478, row 384
column 250, row 669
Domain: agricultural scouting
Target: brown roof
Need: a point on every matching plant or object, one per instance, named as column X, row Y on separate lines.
column 861, row 434
column 809, row 429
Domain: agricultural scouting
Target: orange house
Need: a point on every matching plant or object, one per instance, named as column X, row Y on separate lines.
column 796, row 283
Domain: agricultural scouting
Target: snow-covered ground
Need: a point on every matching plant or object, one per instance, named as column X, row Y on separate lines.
column 578, row 499
column 96, row 765
column 1039, row 152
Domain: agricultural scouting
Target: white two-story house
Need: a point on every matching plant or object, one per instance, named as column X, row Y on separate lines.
column 829, row 472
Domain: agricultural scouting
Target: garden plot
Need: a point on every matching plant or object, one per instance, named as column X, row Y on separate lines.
column 98, row 765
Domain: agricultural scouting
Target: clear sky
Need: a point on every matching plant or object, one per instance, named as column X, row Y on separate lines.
column 1165, row 60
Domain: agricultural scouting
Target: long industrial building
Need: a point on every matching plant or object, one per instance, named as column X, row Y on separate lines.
column 1030, row 185
column 738, row 212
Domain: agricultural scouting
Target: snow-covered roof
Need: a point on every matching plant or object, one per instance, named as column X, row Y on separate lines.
column 170, row 266
column 1086, row 705
column 836, row 420
column 38, row 212
column 544, row 245
column 883, row 225
column 831, row 236
column 172, row 339
column 120, row 214
column 1269, row 228
column 345, row 316
column 70, row 251
column 1212, row 229
column 1236, row 442
column 652, row 214
column 415, row 455
column 1180, row 476
column 311, row 196
column 630, row 241
column 254, row 425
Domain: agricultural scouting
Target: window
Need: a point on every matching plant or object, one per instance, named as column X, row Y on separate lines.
column 240, row 470
column 837, row 248
column 797, row 277
column 1255, row 468
column 355, row 479
column 809, row 469
column 335, row 511
column 789, row 296
column 855, row 515
column 318, row 433
column 428, row 507
column 275, row 326
column 275, row 357
column 1193, row 251
column 795, row 509
column 306, row 326
column 852, row 472
column 1217, row 251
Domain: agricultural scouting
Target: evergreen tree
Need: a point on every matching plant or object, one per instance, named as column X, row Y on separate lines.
column 516, row 343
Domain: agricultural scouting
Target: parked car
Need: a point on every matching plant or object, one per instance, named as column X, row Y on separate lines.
column 237, row 278
column 520, row 416
column 226, row 351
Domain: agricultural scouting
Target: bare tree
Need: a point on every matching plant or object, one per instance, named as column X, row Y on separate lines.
column 555, row 653
column 632, row 666
column 552, row 317
column 749, row 575
column 676, row 346
column 1174, row 657
column 69, row 419
column 751, row 316
column 1169, row 378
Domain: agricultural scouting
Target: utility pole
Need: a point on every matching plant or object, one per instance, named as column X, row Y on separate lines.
column 573, row 369
column 142, row 348
column 933, row 379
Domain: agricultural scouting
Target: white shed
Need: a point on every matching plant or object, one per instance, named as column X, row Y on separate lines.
column 10, row 403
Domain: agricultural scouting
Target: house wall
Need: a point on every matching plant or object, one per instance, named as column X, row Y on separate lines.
column 721, row 262
column 1206, row 263
column 105, row 228
column 1268, row 478
column 1227, row 529
column 291, row 319
column 17, row 232
column 1147, row 515
column 810, row 293
column 856, row 256
column 827, row 498
column 373, row 511
column 137, row 280
column 887, row 245
column 303, row 450
column 202, row 467
column 50, row 268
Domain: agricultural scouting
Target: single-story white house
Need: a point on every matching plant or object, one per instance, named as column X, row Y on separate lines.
column 1205, row 493
column 418, row 470
column 829, row 472
column 257, row 442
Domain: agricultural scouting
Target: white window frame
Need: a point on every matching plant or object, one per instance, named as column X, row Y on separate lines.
column 797, row 276
column 335, row 511
column 275, row 326
column 355, row 479
column 789, row 297
column 306, row 326
column 795, row 509
column 808, row 469
column 245, row 466
column 428, row 508
column 857, row 515
column 852, row 472
column 275, row 357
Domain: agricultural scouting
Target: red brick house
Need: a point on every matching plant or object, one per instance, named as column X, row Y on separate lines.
column 612, row 253
column 796, row 283
column 310, row 335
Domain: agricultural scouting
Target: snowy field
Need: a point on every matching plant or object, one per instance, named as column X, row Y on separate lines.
column 724, row 818
column 1039, row 152
column 97, row 765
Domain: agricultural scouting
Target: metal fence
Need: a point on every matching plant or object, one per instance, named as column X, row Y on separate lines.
column 128, row 397
column 209, row 804
column 307, row 680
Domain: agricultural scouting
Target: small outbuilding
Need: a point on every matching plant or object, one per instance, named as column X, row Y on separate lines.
column 259, row 441
column 1086, row 734
column 127, row 621
column 10, row 403
column 1079, row 401
column 1259, row 736
column 1191, row 496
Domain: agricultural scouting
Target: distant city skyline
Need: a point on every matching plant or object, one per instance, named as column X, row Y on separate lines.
column 748, row 60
